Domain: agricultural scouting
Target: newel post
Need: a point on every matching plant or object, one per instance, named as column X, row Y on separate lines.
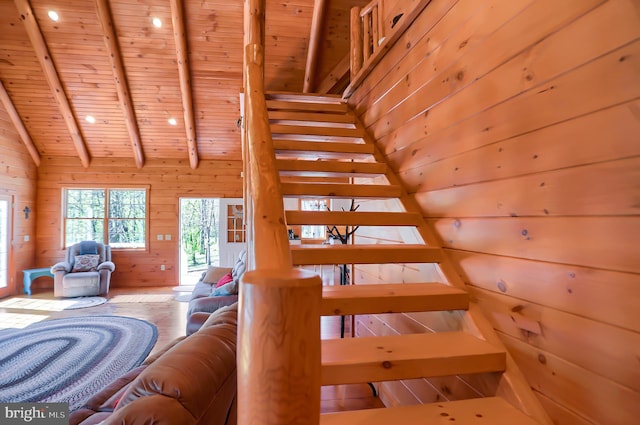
column 356, row 42
column 279, row 348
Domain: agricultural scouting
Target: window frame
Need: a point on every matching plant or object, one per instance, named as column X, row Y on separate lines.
column 327, row 202
column 106, row 217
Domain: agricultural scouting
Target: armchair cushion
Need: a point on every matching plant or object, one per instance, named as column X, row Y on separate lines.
column 86, row 263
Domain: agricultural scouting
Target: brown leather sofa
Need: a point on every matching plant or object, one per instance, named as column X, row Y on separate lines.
column 191, row 381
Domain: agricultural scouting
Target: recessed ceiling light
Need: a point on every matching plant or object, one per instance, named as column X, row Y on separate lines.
column 53, row 15
column 157, row 22
column 172, row 121
column 90, row 119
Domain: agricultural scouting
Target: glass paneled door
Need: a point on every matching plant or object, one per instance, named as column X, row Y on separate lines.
column 5, row 243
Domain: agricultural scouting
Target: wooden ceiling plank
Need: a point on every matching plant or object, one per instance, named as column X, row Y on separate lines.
column 120, row 77
column 44, row 57
column 180, row 35
column 314, row 45
column 19, row 125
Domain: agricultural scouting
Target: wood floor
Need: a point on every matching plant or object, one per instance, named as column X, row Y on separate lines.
column 158, row 306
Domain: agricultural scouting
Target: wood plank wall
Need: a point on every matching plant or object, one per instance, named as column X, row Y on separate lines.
column 167, row 180
column 516, row 125
column 18, row 180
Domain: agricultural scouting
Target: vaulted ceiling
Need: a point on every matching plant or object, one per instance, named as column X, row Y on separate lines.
column 154, row 92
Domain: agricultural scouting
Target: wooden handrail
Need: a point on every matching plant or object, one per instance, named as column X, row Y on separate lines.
column 279, row 315
column 270, row 236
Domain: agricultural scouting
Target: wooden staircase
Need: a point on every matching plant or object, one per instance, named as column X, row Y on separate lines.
column 319, row 143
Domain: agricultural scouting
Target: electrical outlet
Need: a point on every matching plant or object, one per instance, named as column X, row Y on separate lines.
column 167, row 237
column 159, row 237
column 162, row 267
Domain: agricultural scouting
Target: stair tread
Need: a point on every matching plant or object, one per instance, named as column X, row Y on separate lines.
column 304, row 97
column 341, row 190
column 338, row 147
column 364, row 254
column 305, row 132
column 282, row 105
column 391, row 298
column 477, row 411
column 396, row 357
column 329, row 168
column 353, row 218
column 311, row 117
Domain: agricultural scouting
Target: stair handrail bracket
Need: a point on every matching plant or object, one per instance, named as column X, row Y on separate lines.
column 279, row 306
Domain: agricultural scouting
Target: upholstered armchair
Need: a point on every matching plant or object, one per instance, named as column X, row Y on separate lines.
column 86, row 270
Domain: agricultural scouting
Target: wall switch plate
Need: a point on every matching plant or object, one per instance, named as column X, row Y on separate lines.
column 167, row 237
column 162, row 267
column 159, row 237
column 26, row 238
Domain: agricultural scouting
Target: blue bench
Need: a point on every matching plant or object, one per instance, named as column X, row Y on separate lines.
column 31, row 274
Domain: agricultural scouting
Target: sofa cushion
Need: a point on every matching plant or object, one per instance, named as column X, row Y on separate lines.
column 240, row 266
column 224, row 280
column 213, row 274
column 230, row 288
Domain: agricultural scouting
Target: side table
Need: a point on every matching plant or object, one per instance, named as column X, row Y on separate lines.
column 32, row 274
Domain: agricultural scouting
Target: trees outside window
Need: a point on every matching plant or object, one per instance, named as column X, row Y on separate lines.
column 116, row 217
column 199, row 230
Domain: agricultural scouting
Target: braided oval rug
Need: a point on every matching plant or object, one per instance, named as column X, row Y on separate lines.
column 70, row 359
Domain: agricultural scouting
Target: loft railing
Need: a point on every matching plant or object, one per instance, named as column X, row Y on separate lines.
column 375, row 28
column 279, row 307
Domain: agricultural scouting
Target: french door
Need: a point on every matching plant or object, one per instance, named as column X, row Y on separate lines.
column 5, row 244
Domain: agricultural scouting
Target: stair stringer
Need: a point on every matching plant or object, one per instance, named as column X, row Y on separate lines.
column 512, row 385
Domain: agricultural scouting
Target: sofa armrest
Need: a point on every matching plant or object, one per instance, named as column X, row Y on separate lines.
column 106, row 265
column 62, row 266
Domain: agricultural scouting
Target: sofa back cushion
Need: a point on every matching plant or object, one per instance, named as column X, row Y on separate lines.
column 240, row 266
column 192, row 383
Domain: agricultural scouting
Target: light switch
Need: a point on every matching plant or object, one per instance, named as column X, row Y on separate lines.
column 167, row 237
column 26, row 238
column 162, row 267
column 159, row 237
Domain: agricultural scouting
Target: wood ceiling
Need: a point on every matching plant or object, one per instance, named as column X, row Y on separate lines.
column 105, row 59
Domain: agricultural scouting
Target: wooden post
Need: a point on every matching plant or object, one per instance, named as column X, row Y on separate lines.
column 279, row 348
column 375, row 25
column 314, row 45
column 356, row 42
column 366, row 36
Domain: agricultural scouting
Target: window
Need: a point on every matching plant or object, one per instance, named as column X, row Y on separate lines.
column 313, row 232
column 117, row 217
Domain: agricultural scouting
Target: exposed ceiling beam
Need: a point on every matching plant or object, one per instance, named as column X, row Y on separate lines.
column 314, row 45
column 180, row 35
column 120, row 77
column 42, row 52
column 18, row 124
